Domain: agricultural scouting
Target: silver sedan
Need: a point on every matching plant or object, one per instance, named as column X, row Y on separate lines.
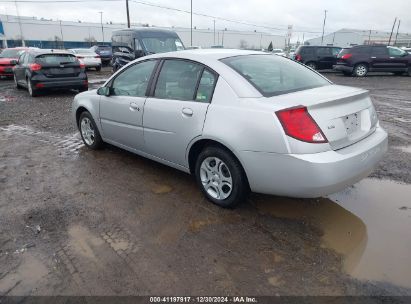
column 238, row 121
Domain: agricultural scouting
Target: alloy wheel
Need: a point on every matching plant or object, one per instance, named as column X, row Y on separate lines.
column 361, row 70
column 87, row 131
column 216, row 178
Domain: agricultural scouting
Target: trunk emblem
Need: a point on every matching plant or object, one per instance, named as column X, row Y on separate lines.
column 331, row 127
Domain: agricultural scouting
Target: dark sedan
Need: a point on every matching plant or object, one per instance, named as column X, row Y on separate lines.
column 49, row 69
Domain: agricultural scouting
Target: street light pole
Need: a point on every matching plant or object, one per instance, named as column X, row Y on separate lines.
column 101, row 21
column 214, row 31
column 128, row 15
column 61, row 32
column 325, row 18
column 191, row 23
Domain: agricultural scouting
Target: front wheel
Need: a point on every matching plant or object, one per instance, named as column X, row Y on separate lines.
column 361, row 70
column 221, row 177
column 89, row 132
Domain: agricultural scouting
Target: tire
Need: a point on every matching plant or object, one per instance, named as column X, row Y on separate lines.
column 311, row 65
column 398, row 73
column 89, row 131
column 360, row 70
column 16, row 84
column 32, row 91
column 221, row 177
column 82, row 89
column 98, row 68
column 409, row 72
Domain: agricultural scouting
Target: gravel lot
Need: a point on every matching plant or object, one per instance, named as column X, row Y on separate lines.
column 81, row 222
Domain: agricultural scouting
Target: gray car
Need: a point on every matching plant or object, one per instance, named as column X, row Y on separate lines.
column 238, row 121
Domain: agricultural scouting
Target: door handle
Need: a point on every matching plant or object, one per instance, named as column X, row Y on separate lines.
column 373, row 57
column 134, row 106
column 392, row 57
column 187, row 112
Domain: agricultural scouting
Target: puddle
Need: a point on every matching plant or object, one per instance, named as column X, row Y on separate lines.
column 83, row 241
column 385, row 208
column 369, row 224
column 406, row 149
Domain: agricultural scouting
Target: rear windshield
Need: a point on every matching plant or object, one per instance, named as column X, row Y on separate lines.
column 10, row 53
column 274, row 75
column 344, row 51
column 56, row 58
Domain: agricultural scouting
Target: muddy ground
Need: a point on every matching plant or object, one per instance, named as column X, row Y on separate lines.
column 81, row 222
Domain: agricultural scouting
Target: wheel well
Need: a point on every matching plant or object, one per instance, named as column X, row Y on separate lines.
column 364, row 63
column 202, row 144
column 78, row 113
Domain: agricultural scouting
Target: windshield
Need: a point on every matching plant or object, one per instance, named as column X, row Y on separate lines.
column 163, row 45
column 10, row 53
column 274, row 75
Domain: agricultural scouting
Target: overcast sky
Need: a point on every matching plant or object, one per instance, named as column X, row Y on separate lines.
column 305, row 16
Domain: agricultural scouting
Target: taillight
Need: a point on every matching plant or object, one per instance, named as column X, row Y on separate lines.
column 298, row 57
column 346, row 56
column 97, row 56
column 82, row 65
column 34, row 67
column 299, row 124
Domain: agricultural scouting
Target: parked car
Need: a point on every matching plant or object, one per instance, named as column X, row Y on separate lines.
column 359, row 60
column 279, row 52
column 7, row 58
column 317, row 57
column 39, row 70
column 130, row 44
column 90, row 58
column 237, row 120
column 105, row 52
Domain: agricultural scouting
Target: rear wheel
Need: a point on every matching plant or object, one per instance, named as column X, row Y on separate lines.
column 32, row 91
column 361, row 70
column 398, row 73
column 221, row 177
column 89, row 132
column 311, row 65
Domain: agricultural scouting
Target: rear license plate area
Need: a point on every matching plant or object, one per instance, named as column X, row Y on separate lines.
column 352, row 123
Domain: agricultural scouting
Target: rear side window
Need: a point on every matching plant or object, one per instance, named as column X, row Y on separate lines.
column 379, row 51
column 321, row 51
column 206, row 86
column 56, row 59
column 273, row 75
column 307, row 51
column 362, row 50
column 178, row 80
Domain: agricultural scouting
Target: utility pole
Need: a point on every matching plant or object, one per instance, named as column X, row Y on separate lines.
column 214, row 32
column 303, row 38
column 325, row 18
column 128, row 15
column 101, row 21
column 61, row 32
column 21, row 28
column 191, row 23
column 392, row 30
column 398, row 28
column 369, row 38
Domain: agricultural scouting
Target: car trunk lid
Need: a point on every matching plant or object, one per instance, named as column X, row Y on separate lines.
column 344, row 114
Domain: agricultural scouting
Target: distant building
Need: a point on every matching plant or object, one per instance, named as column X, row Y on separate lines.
column 350, row 37
column 46, row 33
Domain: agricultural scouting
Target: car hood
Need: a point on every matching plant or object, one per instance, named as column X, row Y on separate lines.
column 6, row 60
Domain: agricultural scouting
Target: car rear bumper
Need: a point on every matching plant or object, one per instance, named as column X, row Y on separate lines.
column 343, row 68
column 314, row 175
column 60, row 83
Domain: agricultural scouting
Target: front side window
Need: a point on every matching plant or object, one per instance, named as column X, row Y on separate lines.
column 335, row 51
column 323, row 51
column 178, row 80
column 273, row 75
column 396, row 52
column 134, row 80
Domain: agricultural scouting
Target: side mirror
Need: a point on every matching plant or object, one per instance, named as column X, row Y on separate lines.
column 14, row 62
column 103, row 91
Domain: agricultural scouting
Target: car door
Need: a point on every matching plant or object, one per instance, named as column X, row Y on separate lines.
column 19, row 69
column 324, row 58
column 176, row 111
column 398, row 59
column 379, row 58
column 121, row 113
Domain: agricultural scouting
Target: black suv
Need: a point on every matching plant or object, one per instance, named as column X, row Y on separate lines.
column 361, row 59
column 317, row 57
column 49, row 69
